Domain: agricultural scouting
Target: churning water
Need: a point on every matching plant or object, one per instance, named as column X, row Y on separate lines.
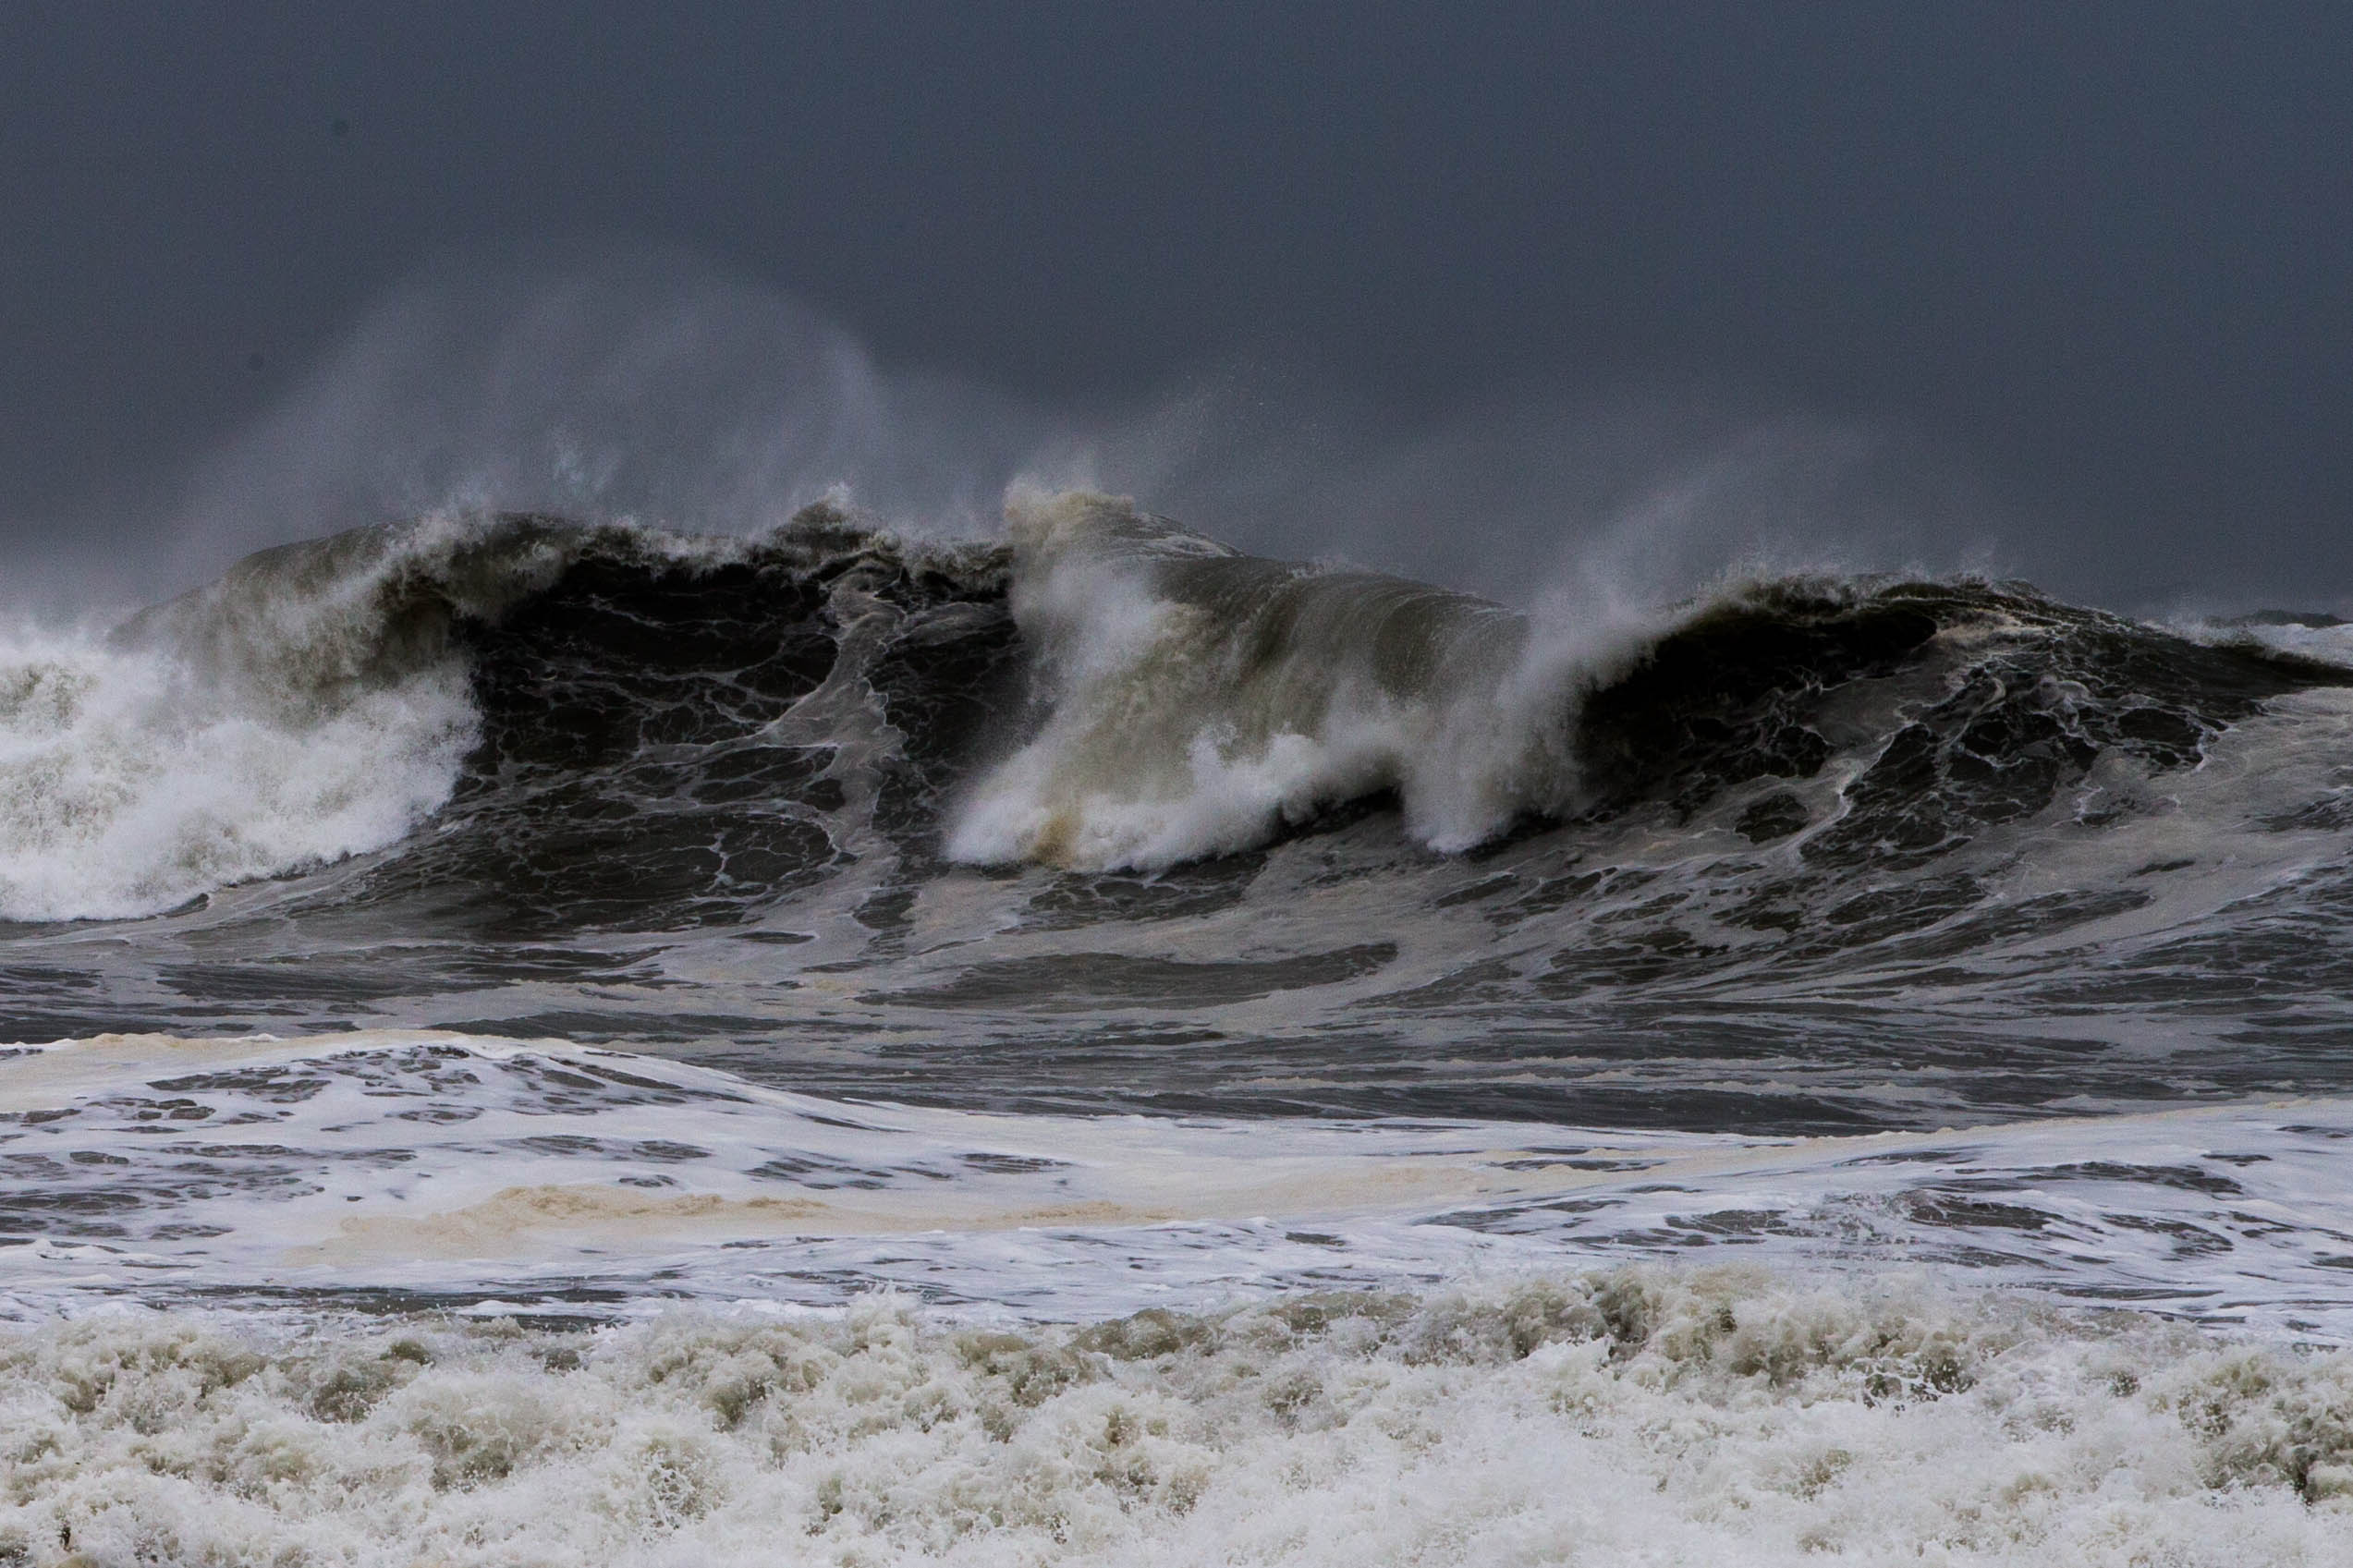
column 550, row 1042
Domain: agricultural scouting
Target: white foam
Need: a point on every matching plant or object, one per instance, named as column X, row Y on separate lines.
column 462, row 1169
column 1201, row 700
column 2321, row 644
column 1645, row 1417
column 308, row 705
column 1379, row 1342
column 133, row 778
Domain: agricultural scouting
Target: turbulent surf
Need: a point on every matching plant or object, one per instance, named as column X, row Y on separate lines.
column 1278, row 1028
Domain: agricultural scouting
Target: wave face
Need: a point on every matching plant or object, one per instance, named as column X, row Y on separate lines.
column 1115, row 815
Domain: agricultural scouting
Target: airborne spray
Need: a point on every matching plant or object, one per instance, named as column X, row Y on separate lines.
column 652, row 387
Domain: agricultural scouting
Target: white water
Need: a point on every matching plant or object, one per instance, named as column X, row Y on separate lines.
column 132, row 779
column 1373, row 1341
column 463, row 1168
column 1201, row 699
column 1650, row 1418
column 2081, row 1340
column 308, row 706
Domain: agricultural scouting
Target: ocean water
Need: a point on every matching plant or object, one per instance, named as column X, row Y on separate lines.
column 542, row 1042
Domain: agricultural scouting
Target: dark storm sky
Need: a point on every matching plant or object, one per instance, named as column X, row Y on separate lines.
column 2102, row 254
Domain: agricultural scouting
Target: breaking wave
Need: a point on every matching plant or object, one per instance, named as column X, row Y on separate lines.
column 1199, row 700
column 1108, row 693
column 518, row 776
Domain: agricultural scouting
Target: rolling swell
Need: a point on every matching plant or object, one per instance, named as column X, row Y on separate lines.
column 2003, row 700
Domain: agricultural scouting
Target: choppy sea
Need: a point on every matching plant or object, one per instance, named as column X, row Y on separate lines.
column 547, row 1042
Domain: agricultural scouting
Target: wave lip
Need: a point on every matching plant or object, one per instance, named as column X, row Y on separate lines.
column 1198, row 701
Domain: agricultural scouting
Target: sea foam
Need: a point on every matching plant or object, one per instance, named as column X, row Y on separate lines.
column 132, row 779
column 1652, row 1415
